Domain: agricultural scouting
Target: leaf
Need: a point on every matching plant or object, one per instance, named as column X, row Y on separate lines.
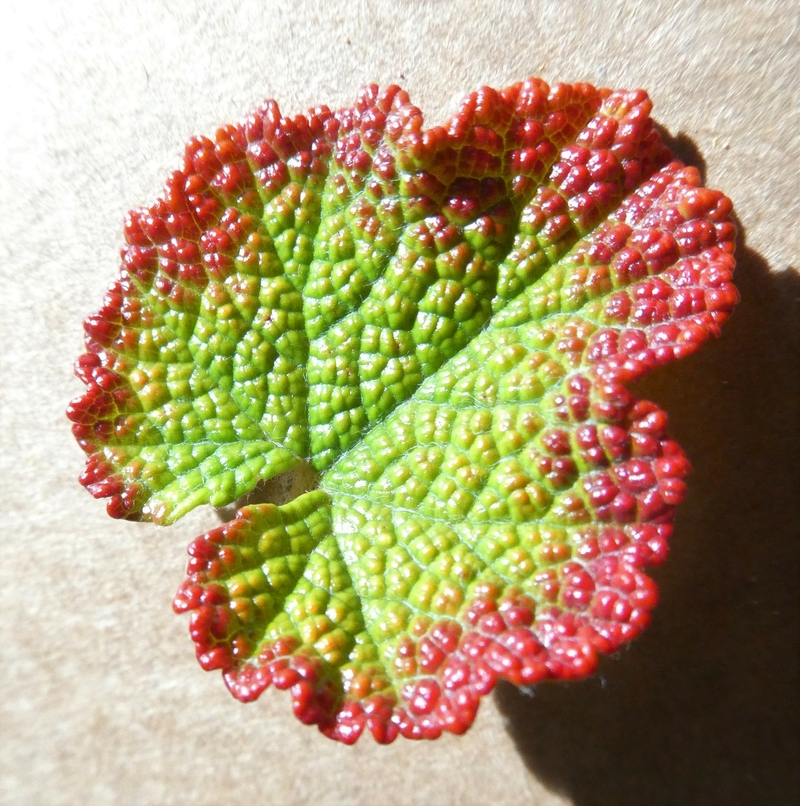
column 428, row 333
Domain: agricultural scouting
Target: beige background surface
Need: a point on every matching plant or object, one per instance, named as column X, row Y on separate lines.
column 101, row 700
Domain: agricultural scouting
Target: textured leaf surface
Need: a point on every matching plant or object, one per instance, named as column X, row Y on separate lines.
column 438, row 326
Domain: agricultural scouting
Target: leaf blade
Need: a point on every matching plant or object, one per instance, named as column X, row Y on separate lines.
column 443, row 323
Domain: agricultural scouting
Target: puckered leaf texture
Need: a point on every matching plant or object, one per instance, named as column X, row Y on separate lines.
column 436, row 327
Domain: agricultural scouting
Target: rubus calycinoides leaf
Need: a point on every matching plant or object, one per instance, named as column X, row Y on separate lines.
column 426, row 335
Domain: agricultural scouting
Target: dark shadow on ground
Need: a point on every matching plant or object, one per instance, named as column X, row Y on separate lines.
column 703, row 709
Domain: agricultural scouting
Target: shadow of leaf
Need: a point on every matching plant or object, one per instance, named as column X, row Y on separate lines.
column 703, row 709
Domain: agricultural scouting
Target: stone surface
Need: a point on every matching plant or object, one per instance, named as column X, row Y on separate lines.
column 101, row 700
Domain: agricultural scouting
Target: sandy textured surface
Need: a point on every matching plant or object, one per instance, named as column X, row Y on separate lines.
column 101, row 701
